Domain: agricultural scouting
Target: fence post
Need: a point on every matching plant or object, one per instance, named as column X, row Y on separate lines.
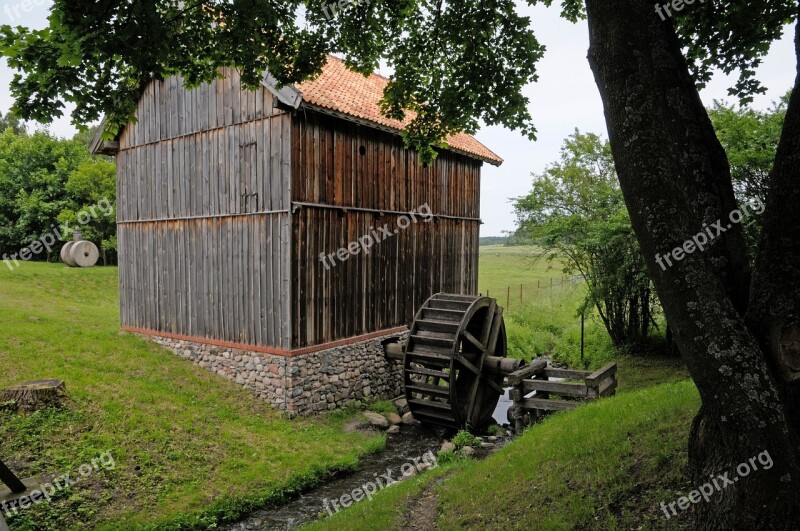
column 582, row 334
column 508, row 298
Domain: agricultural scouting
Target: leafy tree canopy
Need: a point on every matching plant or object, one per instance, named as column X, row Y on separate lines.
column 46, row 181
column 577, row 213
column 455, row 63
column 11, row 121
column 750, row 138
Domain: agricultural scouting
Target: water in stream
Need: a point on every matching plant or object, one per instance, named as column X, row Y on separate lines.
column 411, row 443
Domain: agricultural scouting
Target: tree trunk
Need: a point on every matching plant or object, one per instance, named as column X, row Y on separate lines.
column 774, row 312
column 676, row 181
column 33, row 396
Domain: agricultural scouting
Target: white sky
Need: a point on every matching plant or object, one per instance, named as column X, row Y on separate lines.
column 565, row 97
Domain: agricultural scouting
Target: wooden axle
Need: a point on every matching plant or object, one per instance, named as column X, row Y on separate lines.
column 493, row 365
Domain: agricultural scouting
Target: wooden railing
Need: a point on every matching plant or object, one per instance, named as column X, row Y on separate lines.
column 533, row 388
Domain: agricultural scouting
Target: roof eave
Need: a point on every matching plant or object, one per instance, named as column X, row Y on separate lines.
column 98, row 146
column 288, row 95
column 392, row 130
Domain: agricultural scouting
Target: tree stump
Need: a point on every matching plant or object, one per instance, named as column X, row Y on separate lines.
column 33, row 396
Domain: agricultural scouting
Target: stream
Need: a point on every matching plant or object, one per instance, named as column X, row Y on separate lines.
column 413, row 442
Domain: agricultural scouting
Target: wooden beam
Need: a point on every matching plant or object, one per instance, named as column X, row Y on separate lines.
column 560, row 388
column 601, row 374
column 549, row 405
column 516, row 377
column 497, row 365
column 568, row 374
column 608, row 388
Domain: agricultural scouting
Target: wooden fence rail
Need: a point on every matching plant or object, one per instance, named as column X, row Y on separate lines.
column 532, row 388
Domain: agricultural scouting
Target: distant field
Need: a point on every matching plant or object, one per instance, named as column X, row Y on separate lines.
column 503, row 267
column 541, row 307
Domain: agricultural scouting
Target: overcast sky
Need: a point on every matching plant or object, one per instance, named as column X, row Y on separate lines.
column 565, row 97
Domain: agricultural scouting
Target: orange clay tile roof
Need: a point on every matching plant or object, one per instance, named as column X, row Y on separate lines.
column 347, row 92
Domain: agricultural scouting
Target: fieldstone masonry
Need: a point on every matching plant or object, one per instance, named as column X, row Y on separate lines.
column 305, row 384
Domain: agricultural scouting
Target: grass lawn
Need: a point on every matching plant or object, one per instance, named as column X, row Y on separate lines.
column 504, row 267
column 606, row 465
column 190, row 447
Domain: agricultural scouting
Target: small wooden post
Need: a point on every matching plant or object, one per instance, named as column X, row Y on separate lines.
column 582, row 333
column 508, row 298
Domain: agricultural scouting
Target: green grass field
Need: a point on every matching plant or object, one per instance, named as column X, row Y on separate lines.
column 189, row 446
column 541, row 307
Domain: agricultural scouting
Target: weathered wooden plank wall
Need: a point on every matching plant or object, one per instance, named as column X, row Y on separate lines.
column 203, row 213
column 382, row 289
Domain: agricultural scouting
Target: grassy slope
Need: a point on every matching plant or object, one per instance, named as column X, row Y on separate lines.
column 184, row 440
column 607, row 465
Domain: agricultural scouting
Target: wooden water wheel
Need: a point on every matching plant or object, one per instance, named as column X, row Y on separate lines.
column 446, row 378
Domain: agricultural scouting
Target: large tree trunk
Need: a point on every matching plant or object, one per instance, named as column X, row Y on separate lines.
column 676, row 181
column 774, row 312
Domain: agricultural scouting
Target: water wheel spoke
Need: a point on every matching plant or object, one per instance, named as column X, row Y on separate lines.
column 469, row 366
column 490, row 319
column 474, row 341
column 491, row 345
column 494, row 385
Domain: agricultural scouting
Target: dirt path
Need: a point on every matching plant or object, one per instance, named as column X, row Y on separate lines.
column 421, row 513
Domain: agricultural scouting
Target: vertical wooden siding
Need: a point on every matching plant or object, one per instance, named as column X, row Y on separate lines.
column 382, row 289
column 203, row 211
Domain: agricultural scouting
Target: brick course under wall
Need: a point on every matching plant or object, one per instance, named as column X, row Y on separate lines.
column 305, row 384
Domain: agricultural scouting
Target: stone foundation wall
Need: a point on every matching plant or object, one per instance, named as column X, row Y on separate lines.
column 308, row 383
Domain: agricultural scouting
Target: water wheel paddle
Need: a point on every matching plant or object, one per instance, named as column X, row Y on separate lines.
column 446, row 380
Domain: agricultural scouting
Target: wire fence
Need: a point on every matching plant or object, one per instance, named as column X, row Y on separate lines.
column 518, row 294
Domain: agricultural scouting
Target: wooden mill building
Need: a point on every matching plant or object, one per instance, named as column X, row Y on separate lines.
column 228, row 201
